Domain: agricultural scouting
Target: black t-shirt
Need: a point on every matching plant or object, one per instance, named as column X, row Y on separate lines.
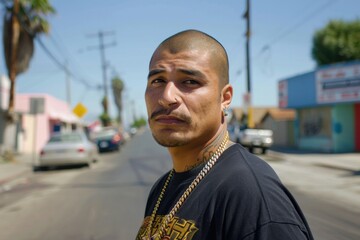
column 241, row 198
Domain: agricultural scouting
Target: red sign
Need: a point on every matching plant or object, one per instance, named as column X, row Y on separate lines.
column 283, row 93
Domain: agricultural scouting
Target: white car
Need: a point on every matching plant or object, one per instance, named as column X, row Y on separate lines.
column 251, row 138
column 71, row 148
column 256, row 138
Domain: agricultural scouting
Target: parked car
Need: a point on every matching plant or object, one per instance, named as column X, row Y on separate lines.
column 108, row 139
column 67, row 149
column 251, row 138
column 133, row 131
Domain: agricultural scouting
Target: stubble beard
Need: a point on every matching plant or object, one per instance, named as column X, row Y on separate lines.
column 171, row 137
column 167, row 141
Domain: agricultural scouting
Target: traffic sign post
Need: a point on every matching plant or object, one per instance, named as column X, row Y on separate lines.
column 80, row 110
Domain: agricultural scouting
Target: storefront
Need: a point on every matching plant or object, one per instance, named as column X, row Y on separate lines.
column 327, row 103
column 54, row 115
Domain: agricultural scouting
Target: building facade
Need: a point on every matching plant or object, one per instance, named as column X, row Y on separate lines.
column 32, row 127
column 327, row 104
column 281, row 122
column 37, row 125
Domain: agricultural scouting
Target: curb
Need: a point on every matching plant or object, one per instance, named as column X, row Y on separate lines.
column 277, row 155
column 337, row 167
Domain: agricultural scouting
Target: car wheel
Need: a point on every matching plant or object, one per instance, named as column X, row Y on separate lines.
column 263, row 150
column 251, row 149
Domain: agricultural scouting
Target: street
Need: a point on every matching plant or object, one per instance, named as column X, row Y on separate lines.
column 107, row 201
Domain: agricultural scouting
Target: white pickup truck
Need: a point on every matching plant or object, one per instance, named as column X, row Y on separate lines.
column 252, row 138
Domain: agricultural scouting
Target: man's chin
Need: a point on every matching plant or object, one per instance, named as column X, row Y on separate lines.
column 168, row 141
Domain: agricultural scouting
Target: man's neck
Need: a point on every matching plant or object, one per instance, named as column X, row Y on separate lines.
column 186, row 158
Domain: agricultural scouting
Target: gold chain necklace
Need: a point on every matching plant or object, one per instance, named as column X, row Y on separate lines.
column 168, row 218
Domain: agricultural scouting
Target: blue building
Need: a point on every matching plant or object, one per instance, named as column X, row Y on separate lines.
column 327, row 104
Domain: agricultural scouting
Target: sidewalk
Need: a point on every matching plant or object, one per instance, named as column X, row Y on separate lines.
column 342, row 161
column 10, row 171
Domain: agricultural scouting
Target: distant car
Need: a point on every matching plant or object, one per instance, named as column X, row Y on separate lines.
column 251, row 138
column 108, row 139
column 133, row 131
column 69, row 148
column 256, row 138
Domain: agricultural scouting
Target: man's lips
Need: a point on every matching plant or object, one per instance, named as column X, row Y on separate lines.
column 165, row 116
column 166, row 119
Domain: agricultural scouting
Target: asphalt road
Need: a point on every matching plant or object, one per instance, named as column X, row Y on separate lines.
column 107, row 201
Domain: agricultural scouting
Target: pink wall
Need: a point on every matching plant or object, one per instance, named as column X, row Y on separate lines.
column 54, row 109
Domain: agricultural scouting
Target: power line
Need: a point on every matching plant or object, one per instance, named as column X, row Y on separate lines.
column 65, row 52
column 48, row 52
column 63, row 67
column 290, row 30
column 101, row 47
column 297, row 25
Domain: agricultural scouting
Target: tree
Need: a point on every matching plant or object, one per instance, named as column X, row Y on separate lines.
column 140, row 122
column 104, row 117
column 338, row 41
column 23, row 21
column 117, row 88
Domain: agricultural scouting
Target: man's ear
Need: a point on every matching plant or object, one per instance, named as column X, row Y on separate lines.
column 226, row 96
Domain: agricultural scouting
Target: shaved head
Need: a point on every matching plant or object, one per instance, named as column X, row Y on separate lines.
column 190, row 40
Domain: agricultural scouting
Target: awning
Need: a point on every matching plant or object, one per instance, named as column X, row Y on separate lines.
column 64, row 117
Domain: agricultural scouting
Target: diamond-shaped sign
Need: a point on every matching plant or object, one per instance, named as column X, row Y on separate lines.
column 80, row 110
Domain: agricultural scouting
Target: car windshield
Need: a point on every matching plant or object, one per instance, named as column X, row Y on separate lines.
column 68, row 137
column 105, row 134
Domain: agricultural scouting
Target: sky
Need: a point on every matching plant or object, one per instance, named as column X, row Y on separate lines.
column 281, row 41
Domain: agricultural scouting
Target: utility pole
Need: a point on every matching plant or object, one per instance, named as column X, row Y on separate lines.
column 102, row 47
column 248, row 96
column 68, row 84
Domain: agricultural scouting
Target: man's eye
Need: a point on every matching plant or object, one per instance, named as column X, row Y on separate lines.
column 157, row 81
column 191, row 82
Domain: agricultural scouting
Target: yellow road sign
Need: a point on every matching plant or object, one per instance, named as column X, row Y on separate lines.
column 80, row 110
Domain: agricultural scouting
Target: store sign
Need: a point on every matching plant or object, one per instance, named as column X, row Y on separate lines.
column 341, row 84
column 283, row 94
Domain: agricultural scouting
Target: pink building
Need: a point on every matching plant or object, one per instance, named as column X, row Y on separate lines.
column 55, row 115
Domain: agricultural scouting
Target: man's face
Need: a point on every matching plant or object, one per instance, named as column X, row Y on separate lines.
column 183, row 98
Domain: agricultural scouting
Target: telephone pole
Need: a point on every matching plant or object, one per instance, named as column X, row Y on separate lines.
column 102, row 47
column 68, row 84
column 248, row 96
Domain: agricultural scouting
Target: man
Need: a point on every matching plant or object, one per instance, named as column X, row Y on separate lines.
column 216, row 189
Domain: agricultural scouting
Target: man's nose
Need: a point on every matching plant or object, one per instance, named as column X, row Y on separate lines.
column 169, row 96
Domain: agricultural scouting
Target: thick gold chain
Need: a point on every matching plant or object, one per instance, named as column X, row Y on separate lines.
column 168, row 218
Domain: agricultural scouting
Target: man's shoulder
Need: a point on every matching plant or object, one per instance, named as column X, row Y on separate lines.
column 240, row 173
column 238, row 160
column 250, row 184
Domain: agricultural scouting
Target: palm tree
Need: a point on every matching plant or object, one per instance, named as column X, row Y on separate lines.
column 23, row 21
column 117, row 88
